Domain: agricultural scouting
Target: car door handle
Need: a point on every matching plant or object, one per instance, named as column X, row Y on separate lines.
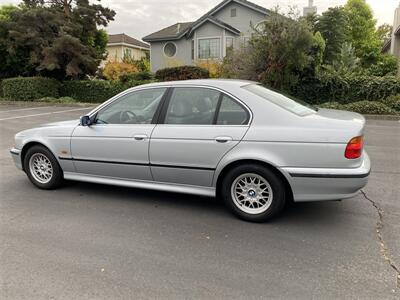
column 140, row 137
column 223, row 139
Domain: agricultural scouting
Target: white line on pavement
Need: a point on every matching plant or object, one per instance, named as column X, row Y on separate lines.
column 43, row 114
column 21, row 109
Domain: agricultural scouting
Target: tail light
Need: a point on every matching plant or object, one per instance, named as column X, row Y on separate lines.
column 354, row 148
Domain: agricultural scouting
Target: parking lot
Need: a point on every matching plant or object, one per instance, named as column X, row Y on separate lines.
column 102, row 242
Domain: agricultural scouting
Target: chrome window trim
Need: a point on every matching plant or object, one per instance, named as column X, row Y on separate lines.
column 138, row 89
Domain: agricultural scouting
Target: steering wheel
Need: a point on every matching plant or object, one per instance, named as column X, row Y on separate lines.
column 128, row 117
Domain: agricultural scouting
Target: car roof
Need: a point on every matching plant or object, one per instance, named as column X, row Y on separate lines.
column 217, row 83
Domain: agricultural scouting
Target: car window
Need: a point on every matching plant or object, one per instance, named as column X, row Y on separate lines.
column 192, row 106
column 231, row 113
column 134, row 108
column 279, row 99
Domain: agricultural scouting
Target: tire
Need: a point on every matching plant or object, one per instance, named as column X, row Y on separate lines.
column 253, row 193
column 48, row 174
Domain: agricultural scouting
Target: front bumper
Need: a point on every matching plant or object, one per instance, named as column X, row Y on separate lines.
column 314, row 184
column 16, row 155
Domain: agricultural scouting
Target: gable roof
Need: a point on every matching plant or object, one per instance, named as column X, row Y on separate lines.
column 173, row 32
column 123, row 38
column 215, row 21
column 178, row 30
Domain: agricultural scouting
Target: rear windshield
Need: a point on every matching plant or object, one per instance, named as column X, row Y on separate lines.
column 295, row 106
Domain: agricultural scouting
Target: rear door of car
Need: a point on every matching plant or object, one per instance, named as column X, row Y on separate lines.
column 196, row 127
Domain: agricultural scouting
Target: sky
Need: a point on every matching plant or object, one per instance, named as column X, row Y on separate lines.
column 139, row 18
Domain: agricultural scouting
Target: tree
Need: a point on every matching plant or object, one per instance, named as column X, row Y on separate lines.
column 334, row 28
column 362, row 31
column 57, row 38
column 347, row 61
column 276, row 53
column 384, row 32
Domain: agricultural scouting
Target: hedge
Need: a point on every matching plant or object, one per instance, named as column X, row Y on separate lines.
column 334, row 88
column 95, row 91
column 182, row 73
column 362, row 107
column 29, row 88
column 393, row 102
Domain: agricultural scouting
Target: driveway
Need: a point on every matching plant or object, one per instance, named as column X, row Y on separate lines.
column 101, row 242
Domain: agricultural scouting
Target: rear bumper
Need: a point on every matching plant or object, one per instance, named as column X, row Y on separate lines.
column 16, row 155
column 315, row 184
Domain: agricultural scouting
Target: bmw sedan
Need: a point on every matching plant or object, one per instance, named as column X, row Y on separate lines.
column 253, row 147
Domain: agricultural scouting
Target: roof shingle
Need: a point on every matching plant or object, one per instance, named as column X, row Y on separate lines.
column 123, row 38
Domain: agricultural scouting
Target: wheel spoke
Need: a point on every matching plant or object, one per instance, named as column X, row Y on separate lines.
column 251, row 193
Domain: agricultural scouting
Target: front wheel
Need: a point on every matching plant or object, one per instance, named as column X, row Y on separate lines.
column 42, row 168
column 253, row 193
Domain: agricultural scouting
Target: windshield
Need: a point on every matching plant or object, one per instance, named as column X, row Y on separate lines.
column 295, row 106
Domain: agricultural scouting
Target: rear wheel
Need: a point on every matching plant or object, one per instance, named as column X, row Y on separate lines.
column 253, row 193
column 42, row 168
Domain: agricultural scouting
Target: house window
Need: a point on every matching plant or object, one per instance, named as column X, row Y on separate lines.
column 209, row 48
column 128, row 53
column 233, row 12
column 170, row 49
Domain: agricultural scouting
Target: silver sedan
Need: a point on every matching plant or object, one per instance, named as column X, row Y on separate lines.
column 255, row 148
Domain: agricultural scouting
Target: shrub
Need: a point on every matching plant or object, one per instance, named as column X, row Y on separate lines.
column 30, row 88
column 386, row 65
column 96, row 91
column 182, row 73
column 346, row 89
column 1, row 89
column 114, row 70
column 91, row 90
column 370, row 107
column 393, row 102
column 214, row 67
column 143, row 75
column 362, row 107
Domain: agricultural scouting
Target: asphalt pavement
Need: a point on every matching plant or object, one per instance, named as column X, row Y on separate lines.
column 88, row 241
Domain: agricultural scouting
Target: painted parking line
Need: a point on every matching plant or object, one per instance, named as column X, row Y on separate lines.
column 22, row 109
column 44, row 114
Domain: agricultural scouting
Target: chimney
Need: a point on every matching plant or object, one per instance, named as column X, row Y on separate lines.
column 310, row 9
column 178, row 28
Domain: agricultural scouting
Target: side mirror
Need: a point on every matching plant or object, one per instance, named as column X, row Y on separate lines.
column 85, row 121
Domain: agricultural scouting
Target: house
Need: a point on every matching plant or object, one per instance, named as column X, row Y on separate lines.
column 392, row 46
column 228, row 25
column 122, row 46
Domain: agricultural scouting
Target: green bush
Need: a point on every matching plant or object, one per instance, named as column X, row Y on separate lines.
column 139, row 76
column 393, row 102
column 362, row 107
column 370, row 107
column 1, row 89
column 348, row 89
column 29, row 88
column 182, row 73
column 95, row 91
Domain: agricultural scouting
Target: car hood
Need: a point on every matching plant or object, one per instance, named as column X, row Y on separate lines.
column 56, row 129
column 62, row 123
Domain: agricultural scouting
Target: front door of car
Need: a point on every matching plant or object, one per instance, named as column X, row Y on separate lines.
column 197, row 127
column 117, row 144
